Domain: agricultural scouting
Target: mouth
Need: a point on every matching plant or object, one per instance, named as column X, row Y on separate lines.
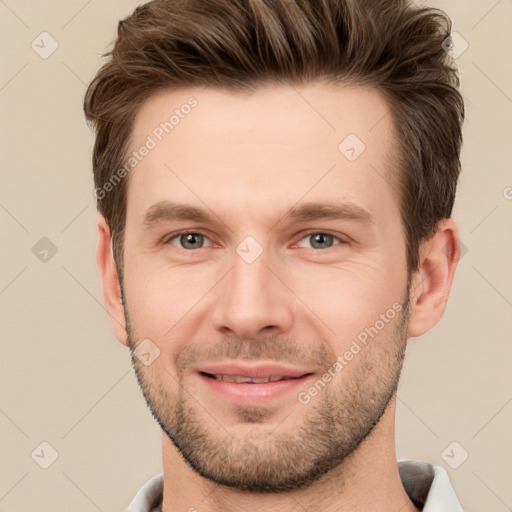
column 252, row 385
column 239, row 379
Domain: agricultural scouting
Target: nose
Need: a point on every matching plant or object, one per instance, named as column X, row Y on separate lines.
column 252, row 300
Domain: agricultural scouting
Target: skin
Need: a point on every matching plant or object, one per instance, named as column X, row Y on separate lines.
column 247, row 160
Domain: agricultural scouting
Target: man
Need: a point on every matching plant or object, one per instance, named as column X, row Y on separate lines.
column 275, row 181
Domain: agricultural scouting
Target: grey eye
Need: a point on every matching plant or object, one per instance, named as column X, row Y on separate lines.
column 319, row 240
column 188, row 240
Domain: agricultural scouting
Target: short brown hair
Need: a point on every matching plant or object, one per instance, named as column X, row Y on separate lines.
column 239, row 45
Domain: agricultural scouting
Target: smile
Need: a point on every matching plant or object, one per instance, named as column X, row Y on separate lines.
column 240, row 379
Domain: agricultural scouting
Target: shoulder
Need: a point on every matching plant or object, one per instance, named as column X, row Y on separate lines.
column 149, row 495
column 428, row 486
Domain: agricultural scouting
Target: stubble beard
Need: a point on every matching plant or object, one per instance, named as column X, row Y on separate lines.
column 333, row 425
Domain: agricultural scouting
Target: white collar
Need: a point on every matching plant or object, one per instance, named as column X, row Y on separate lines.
column 427, row 485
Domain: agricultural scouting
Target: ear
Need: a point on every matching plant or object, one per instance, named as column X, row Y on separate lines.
column 431, row 284
column 110, row 279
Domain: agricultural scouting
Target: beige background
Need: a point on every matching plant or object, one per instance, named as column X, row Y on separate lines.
column 66, row 381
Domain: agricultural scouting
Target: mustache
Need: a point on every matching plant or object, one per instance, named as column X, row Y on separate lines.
column 274, row 349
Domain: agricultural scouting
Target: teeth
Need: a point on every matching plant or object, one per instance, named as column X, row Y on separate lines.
column 234, row 378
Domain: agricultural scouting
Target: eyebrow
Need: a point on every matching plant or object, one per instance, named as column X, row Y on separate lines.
column 165, row 211
column 336, row 211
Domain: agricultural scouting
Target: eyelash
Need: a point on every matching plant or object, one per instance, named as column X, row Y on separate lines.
column 305, row 235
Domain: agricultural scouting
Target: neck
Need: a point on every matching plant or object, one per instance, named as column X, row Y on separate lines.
column 367, row 480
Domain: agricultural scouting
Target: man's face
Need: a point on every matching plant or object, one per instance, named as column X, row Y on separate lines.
column 280, row 293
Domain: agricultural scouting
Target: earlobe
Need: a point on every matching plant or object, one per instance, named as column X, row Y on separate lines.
column 110, row 281
column 431, row 284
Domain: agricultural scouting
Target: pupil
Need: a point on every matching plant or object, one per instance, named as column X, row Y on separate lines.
column 191, row 239
column 320, row 239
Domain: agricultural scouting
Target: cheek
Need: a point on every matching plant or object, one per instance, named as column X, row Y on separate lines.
column 338, row 299
column 160, row 296
column 344, row 300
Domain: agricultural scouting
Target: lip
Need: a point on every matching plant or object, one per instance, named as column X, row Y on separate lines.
column 248, row 394
column 254, row 371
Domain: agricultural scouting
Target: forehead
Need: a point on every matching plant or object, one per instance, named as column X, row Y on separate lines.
column 276, row 144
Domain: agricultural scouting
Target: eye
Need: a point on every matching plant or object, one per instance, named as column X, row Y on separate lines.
column 320, row 240
column 188, row 240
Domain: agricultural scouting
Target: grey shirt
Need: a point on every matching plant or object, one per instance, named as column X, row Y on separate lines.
column 427, row 485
